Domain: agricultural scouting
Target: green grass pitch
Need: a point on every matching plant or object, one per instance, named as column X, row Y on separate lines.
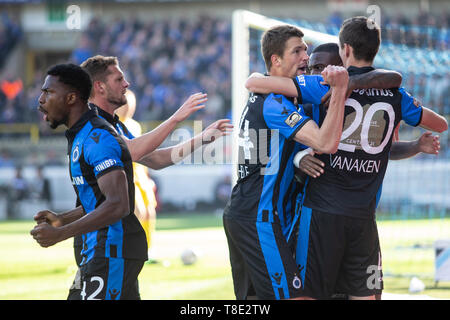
column 28, row 271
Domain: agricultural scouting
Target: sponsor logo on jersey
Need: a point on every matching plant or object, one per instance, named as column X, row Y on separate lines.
column 374, row 92
column 105, row 165
column 78, row 180
column 293, row 119
column 301, row 80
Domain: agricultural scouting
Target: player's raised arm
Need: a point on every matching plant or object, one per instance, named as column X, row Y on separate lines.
column 433, row 121
column 414, row 114
column 326, row 139
column 164, row 157
column 147, row 143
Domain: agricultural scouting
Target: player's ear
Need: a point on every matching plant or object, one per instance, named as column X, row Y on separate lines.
column 275, row 59
column 99, row 87
column 347, row 50
column 71, row 98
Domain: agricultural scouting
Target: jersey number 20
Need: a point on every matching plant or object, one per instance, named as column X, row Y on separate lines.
column 365, row 120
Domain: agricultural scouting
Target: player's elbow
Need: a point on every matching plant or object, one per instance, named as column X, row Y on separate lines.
column 250, row 85
column 253, row 85
column 120, row 207
column 443, row 125
column 440, row 125
column 328, row 146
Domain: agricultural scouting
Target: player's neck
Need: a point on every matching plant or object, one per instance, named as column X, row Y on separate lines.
column 351, row 61
column 76, row 114
column 103, row 104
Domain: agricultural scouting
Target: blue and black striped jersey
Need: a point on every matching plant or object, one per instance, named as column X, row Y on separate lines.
column 265, row 186
column 94, row 150
column 351, row 183
column 121, row 129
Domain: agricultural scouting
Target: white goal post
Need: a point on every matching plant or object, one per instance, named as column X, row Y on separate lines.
column 242, row 21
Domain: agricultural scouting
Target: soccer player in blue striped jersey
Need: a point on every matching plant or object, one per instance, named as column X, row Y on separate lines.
column 114, row 245
column 108, row 94
column 309, row 165
column 342, row 201
column 262, row 264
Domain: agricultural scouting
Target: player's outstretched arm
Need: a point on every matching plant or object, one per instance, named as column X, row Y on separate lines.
column 433, row 121
column 259, row 83
column 165, row 157
column 379, row 79
column 114, row 186
column 427, row 143
column 326, row 139
column 149, row 141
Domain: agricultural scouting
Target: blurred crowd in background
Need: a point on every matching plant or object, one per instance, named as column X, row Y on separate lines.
column 167, row 60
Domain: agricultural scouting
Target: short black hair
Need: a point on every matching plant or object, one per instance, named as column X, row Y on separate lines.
column 363, row 35
column 329, row 47
column 74, row 76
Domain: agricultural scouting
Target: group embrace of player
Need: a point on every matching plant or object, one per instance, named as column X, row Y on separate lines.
column 310, row 233
column 289, row 235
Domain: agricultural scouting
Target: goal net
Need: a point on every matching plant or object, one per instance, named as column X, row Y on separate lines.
column 414, row 211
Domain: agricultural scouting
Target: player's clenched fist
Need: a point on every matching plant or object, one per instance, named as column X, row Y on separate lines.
column 46, row 235
column 335, row 76
column 49, row 217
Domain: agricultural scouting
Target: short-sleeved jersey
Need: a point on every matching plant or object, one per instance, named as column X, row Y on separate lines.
column 265, row 187
column 353, row 176
column 94, row 149
column 121, row 129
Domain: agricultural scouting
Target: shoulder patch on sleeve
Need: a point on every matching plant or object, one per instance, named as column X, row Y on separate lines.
column 293, row 119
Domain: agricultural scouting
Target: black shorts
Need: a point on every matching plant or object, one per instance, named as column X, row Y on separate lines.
column 75, row 289
column 338, row 254
column 261, row 263
column 108, row 279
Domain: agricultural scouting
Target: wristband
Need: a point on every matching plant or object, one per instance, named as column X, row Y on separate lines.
column 299, row 156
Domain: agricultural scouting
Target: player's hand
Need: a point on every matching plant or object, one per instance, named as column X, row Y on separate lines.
column 194, row 103
column 47, row 216
column 429, row 144
column 46, row 235
column 336, row 76
column 217, row 129
column 312, row 166
column 325, row 101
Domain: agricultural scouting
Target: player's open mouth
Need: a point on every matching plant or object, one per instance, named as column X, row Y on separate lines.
column 44, row 112
column 302, row 69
